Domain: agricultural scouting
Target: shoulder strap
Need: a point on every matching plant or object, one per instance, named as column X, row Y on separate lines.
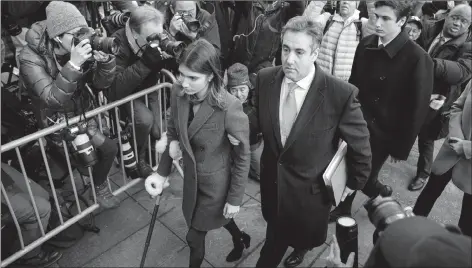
column 358, row 24
column 328, row 24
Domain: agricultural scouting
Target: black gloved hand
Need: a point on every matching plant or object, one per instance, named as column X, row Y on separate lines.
column 152, row 58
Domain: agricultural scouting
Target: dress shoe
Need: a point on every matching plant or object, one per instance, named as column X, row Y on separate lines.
column 417, row 184
column 295, row 258
column 239, row 245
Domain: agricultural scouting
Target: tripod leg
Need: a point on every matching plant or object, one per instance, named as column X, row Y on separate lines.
column 151, row 228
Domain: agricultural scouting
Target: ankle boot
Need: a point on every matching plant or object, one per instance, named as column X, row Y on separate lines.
column 105, row 198
column 239, row 245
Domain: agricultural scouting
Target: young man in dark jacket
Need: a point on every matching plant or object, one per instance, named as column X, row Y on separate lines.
column 138, row 66
column 55, row 72
column 447, row 42
column 395, row 80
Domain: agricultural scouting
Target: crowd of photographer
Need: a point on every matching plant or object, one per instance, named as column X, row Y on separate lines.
column 348, row 59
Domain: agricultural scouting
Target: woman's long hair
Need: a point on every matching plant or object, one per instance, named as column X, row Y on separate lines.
column 202, row 57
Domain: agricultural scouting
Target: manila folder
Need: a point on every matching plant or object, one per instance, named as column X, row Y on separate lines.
column 335, row 175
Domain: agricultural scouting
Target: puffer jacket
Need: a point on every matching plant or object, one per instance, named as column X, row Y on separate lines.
column 57, row 90
column 339, row 43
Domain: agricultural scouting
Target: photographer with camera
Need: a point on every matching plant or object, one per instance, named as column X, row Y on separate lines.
column 144, row 46
column 402, row 239
column 189, row 22
column 61, row 57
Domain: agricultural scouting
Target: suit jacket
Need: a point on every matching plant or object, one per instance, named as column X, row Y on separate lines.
column 293, row 194
column 460, row 127
column 215, row 173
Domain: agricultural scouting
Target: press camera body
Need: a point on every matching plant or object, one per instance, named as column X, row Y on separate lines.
column 166, row 43
column 192, row 24
column 108, row 45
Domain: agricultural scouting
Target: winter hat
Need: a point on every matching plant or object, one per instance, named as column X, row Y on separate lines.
column 62, row 17
column 417, row 21
column 238, row 75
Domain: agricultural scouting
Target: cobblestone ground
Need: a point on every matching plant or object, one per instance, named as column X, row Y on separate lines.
column 123, row 231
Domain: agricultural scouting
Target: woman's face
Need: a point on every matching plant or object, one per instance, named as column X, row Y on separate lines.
column 240, row 92
column 193, row 82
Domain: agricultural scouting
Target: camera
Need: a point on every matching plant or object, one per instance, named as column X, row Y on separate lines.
column 168, row 45
column 10, row 25
column 81, row 145
column 108, row 45
column 115, row 21
column 384, row 211
column 191, row 23
column 129, row 159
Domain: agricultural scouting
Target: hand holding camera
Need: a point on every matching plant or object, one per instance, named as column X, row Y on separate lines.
column 81, row 52
column 101, row 56
column 152, row 57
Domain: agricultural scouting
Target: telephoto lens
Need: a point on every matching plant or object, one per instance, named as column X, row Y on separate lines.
column 346, row 234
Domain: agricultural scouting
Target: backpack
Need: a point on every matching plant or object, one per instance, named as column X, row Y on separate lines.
column 357, row 23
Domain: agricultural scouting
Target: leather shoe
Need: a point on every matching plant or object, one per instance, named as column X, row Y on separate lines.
column 417, row 184
column 295, row 258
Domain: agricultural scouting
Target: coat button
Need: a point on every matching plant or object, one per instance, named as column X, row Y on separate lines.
column 382, row 78
column 377, row 99
column 373, row 120
column 202, row 149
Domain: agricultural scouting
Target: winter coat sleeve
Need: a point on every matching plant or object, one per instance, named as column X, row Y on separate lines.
column 457, row 71
column 128, row 78
column 104, row 73
column 165, row 164
column 353, row 129
column 421, row 90
column 455, row 117
column 211, row 33
column 368, row 25
column 53, row 91
column 314, row 10
column 237, row 125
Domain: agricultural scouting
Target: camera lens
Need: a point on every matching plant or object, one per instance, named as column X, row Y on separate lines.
column 384, row 211
column 109, row 45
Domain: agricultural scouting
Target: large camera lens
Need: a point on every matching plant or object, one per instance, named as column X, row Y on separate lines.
column 191, row 23
column 108, row 45
column 383, row 211
column 166, row 44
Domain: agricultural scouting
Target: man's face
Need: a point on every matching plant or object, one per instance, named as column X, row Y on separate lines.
column 347, row 8
column 147, row 29
column 413, row 30
column 298, row 56
column 386, row 23
column 457, row 22
column 186, row 7
column 241, row 92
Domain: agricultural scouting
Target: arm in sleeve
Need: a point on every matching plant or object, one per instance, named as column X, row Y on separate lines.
column 237, row 125
column 314, row 10
column 353, row 78
column 457, row 71
column 455, row 117
column 165, row 164
column 211, row 33
column 368, row 25
column 421, row 90
column 53, row 91
column 353, row 129
column 104, row 73
column 127, row 78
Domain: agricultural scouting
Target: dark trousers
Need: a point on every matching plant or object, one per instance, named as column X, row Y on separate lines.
column 433, row 189
column 425, row 148
column 273, row 250
column 373, row 186
column 196, row 242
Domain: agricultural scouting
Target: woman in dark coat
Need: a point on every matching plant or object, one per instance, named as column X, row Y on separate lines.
column 203, row 114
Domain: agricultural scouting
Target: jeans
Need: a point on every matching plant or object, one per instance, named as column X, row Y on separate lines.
column 147, row 121
column 431, row 192
column 23, row 208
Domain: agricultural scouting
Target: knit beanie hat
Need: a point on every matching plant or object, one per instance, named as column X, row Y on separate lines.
column 62, row 17
column 238, row 75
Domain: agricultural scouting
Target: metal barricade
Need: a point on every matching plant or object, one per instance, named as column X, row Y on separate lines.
column 82, row 212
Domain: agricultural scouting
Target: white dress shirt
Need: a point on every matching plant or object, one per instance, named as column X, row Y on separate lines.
column 300, row 93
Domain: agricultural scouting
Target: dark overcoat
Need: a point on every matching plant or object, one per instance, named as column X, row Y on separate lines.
column 215, row 172
column 293, row 194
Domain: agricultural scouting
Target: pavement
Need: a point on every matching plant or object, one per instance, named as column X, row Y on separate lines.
column 123, row 232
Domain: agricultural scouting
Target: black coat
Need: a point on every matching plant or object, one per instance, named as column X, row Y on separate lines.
column 293, row 194
column 395, row 85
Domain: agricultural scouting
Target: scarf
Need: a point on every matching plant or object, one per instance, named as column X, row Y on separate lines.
column 132, row 41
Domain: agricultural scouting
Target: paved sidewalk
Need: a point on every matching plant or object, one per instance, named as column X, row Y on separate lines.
column 123, row 231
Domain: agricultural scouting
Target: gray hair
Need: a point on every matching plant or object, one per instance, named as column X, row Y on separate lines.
column 142, row 15
column 306, row 25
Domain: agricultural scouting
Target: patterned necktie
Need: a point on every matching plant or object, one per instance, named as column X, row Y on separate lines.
column 289, row 112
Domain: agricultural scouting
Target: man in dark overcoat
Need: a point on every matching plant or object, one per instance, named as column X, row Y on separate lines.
column 395, row 80
column 303, row 113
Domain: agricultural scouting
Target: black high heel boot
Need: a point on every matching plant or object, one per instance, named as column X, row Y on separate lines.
column 239, row 245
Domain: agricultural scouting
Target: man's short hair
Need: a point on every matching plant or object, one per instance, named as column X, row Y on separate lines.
column 142, row 15
column 402, row 8
column 306, row 25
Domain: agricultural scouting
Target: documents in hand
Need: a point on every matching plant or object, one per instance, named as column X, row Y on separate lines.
column 335, row 175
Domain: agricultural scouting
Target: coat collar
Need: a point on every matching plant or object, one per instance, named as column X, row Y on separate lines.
column 393, row 47
column 312, row 103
